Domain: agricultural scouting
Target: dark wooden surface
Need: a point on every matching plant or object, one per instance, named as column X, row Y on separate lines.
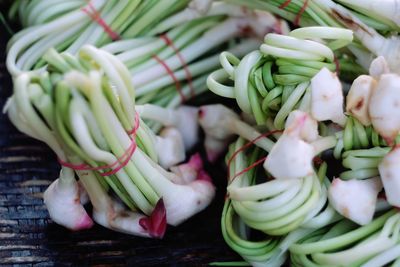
column 29, row 238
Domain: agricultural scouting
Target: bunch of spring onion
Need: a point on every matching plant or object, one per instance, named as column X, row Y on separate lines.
column 375, row 23
column 31, row 13
column 274, row 199
column 69, row 26
column 258, row 203
column 84, row 108
column 271, row 82
column 367, row 146
column 288, row 209
column 70, row 31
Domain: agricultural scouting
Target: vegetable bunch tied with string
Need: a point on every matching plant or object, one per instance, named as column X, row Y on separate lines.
column 83, row 107
column 69, row 26
column 269, row 83
column 275, row 211
column 375, row 23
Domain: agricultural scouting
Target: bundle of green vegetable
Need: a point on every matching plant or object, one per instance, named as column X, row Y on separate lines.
column 84, row 108
column 150, row 13
column 66, row 28
column 375, row 23
column 298, row 102
column 130, row 19
column 271, row 82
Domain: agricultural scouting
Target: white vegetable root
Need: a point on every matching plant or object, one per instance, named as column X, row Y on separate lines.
column 297, row 147
column 378, row 67
column 327, row 97
column 357, row 100
column 188, row 172
column 119, row 219
column 62, row 200
column 301, row 124
column 170, row 146
column 212, row 119
column 184, row 119
column 290, row 158
column 293, row 148
column 355, row 199
column 384, row 107
column 389, row 169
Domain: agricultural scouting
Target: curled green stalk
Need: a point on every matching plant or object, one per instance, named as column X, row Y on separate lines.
column 348, row 244
column 357, row 136
column 271, row 82
column 361, row 149
column 235, row 230
column 275, row 207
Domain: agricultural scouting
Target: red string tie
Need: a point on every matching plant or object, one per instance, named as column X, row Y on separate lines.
column 136, row 127
column 174, row 78
column 244, row 147
column 189, row 77
column 298, row 16
column 117, row 165
column 91, row 11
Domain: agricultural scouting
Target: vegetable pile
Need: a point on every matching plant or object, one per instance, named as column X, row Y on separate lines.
column 310, row 139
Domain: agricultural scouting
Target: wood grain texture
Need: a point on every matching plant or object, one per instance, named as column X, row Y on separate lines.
column 29, row 238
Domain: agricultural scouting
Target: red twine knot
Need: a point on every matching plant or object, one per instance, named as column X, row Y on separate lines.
column 91, row 11
column 117, row 165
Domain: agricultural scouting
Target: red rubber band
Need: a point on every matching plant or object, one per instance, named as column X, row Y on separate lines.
column 245, row 146
column 171, row 73
column 298, row 17
column 122, row 163
column 117, row 165
column 285, row 4
column 136, row 127
column 91, row 11
column 169, row 42
column 249, row 167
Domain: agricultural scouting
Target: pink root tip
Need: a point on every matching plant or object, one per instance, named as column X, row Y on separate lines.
column 212, row 156
column 204, row 176
column 201, row 113
column 382, row 195
column 278, row 27
column 389, row 140
column 335, row 181
column 156, row 223
column 196, row 162
column 85, row 223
